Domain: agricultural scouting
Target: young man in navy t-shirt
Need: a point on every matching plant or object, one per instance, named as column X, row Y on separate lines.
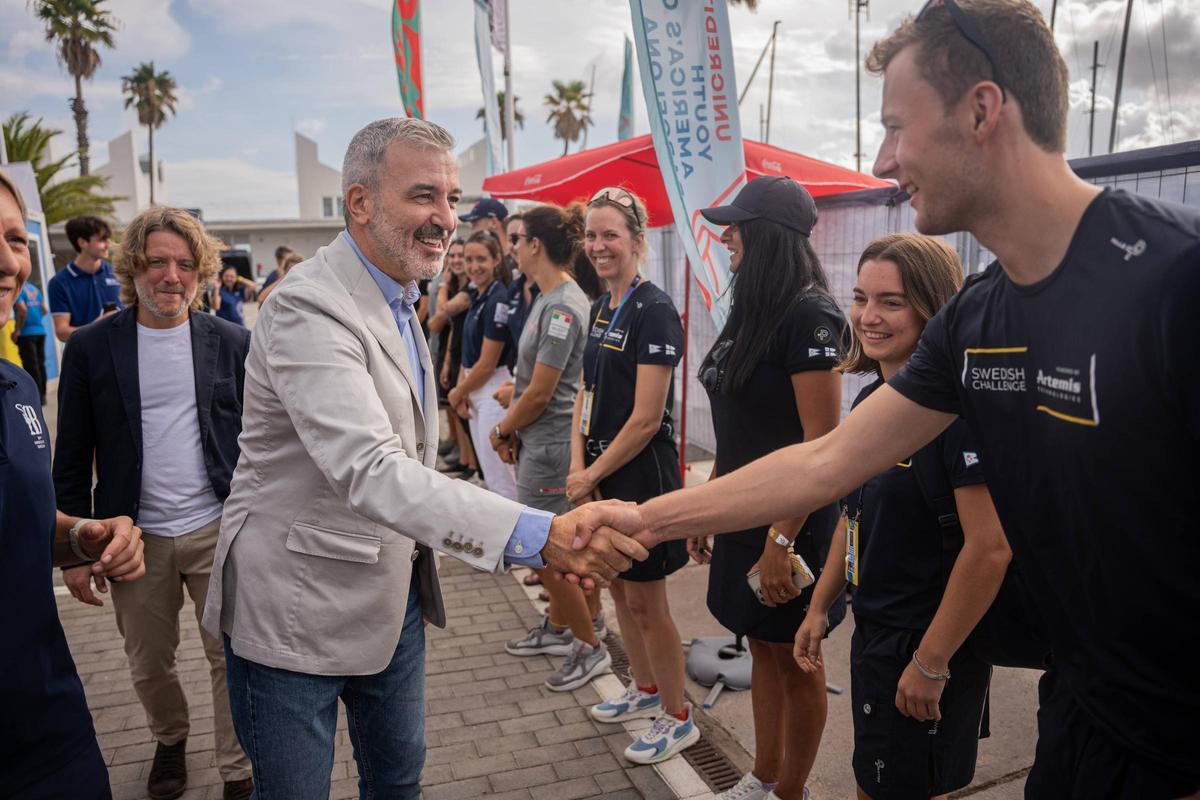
column 1073, row 360
column 86, row 289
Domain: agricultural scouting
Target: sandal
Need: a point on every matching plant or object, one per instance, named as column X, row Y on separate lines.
column 544, row 596
column 532, row 579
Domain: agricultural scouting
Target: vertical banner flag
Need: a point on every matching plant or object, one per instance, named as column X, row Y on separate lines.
column 625, row 120
column 491, row 108
column 499, row 19
column 406, row 45
column 685, row 57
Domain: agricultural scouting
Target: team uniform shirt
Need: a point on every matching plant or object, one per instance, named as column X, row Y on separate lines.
column 553, row 335
column 647, row 331
column 46, row 720
column 177, row 495
column 233, row 302
column 894, row 533
column 83, row 296
column 487, row 318
column 35, row 324
column 518, row 311
column 757, row 419
column 1083, row 393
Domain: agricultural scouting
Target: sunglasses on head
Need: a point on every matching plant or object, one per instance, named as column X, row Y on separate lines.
column 971, row 33
column 617, row 196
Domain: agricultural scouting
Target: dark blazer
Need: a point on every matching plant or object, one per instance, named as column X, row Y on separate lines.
column 100, row 411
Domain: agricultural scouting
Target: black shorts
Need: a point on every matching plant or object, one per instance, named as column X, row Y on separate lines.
column 899, row 757
column 1077, row 760
column 734, row 604
column 653, row 472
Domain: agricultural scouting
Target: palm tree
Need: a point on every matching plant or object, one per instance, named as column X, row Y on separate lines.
column 518, row 117
column 61, row 198
column 78, row 27
column 153, row 94
column 570, row 111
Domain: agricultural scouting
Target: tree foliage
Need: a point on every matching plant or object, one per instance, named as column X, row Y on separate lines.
column 62, row 198
column 570, row 110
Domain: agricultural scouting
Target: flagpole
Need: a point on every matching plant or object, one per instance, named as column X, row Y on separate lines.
column 509, row 101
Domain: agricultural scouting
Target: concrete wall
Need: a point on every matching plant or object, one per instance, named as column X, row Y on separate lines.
column 128, row 176
column 262, row 237
column 316, row 183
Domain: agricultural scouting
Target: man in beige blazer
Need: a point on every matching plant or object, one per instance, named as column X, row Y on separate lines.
column 326, row 560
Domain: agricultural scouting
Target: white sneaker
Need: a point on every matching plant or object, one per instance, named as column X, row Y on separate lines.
column 584, row 663
column 666, row 737
column 633, row 703
column 772, row 796
column 748, row 788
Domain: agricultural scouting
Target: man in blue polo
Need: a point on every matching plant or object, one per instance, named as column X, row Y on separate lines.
column 86, row 289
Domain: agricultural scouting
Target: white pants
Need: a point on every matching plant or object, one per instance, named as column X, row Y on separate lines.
column 485, row 413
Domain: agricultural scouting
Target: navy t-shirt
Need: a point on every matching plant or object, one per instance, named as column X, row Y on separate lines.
column 46, row 722
column 486, row 319
column 232, row 305
column 900, row 556
column 1083, row 394
column 648, row 331
column 518, row 312
column 83, row 295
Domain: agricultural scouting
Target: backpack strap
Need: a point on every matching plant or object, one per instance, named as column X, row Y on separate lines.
column 935, row 487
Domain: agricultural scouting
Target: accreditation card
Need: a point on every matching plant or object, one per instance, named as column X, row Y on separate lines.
column 852, row 550
column 585, row 416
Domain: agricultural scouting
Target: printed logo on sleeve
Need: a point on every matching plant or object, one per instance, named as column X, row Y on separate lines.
column 501, row 315
column 560, row 324
column 823, row 335
column 970, row 459
column 30, row 416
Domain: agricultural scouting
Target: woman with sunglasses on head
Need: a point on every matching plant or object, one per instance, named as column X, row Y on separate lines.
column 484, row 356
column 770, row 381
column 536, row 432
column 624, row 449
column 917, row 694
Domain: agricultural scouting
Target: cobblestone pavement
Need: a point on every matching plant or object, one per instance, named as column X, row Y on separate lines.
column 493, row 729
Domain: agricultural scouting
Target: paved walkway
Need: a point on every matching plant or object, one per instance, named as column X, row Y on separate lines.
column 493, row 729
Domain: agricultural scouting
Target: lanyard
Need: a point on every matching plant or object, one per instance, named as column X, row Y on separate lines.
column 612, row 323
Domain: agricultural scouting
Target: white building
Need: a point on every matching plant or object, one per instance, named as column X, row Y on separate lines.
column 319, row 186
column 129, row 177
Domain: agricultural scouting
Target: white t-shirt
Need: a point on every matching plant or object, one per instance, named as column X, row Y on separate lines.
column 177, row 495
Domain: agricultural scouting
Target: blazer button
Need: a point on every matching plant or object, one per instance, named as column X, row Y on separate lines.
column 420, row 447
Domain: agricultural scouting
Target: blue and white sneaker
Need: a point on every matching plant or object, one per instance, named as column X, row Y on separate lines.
column 666, row 737
column 632, row 704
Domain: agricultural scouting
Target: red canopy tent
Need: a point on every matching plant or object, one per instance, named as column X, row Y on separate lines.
column 632, row 163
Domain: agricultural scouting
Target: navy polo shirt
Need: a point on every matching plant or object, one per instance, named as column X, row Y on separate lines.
column 81, row 295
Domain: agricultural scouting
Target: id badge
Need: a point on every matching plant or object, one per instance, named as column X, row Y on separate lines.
column 585, row 418
column 852, row 550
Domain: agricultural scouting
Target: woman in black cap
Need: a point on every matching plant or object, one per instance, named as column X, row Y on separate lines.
column 770, row 381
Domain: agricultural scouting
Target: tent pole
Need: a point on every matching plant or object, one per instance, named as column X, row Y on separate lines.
column 687, row 318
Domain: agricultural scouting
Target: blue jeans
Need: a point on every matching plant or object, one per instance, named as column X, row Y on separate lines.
column 286, row 722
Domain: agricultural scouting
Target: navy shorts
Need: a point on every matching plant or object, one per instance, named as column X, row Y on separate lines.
column 897, row 756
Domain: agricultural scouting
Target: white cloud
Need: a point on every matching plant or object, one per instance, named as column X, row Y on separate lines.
column 311, row 126
column 148, row 30
column 228, row 188
column 18, row 87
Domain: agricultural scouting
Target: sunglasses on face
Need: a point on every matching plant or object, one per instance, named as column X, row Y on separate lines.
column 513, row 238
column 617, row 196
column 971, row 33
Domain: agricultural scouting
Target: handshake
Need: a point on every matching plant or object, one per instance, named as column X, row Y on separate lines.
column 595, row 542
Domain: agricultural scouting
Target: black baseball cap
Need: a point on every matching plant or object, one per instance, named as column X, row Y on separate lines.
column 772, row 197
column 487, row 207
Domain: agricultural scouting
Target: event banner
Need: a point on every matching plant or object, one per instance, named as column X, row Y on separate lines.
column 491, row 108
column 685, row 57
column 406, row 45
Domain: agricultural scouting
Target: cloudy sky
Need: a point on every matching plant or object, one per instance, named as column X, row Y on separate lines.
column 252, row 71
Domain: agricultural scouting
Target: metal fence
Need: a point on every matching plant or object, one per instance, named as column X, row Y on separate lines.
column 849, row 222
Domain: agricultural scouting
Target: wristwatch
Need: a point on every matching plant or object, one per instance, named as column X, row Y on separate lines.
column 73, row 541
column 496, row 432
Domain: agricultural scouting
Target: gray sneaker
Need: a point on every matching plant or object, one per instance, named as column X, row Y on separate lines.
column 584, row 663
column 542, row 639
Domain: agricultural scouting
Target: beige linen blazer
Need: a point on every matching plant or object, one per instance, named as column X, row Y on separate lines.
column 335, row 502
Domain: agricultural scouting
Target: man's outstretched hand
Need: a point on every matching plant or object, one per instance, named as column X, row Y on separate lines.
column 585, row 547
